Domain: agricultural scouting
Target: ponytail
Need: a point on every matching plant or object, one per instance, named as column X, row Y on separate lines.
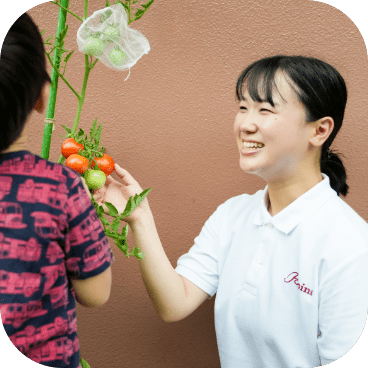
column 332, row 166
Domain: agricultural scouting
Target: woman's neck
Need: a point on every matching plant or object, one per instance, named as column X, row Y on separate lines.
column 282, row 192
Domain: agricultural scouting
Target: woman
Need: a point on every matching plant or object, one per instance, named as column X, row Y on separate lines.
column 289, row 264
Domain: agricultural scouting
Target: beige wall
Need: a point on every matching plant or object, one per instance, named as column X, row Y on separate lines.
column 171, row 125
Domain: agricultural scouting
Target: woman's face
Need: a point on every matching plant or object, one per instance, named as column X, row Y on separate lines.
column 272, row 141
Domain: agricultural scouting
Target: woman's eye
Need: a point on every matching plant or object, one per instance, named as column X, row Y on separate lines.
column 243, row 108
column 266, row 110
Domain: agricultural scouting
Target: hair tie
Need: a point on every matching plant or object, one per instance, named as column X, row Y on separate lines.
column 328, row 154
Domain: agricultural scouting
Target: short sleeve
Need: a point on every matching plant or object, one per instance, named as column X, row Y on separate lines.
column 88, row 252
column 343, row 306
column 200, row 264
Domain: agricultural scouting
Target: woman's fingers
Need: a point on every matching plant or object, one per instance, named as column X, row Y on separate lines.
column 124, row 175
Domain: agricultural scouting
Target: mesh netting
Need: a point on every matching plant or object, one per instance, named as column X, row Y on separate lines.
column 107, row 36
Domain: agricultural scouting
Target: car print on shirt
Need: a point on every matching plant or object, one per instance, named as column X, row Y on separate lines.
column 52, row 273
column 73, row 267
column 28, row 166
column 294, row 277
column 16, row 314
column 59, row 296
column 11, row 215
column 5, row 186
column 54, row 252
column 19, row 283
column 23, row 250
column 52, row 195
column 94, row 256
column 78, row 203
column 47, row 225
column 89, row 229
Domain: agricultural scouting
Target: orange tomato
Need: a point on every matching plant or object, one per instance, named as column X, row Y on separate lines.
column 105, row 164
column 70, row 146
column 78, row 163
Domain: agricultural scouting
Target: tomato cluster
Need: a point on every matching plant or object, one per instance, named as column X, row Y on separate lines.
column 95, row 45
column 95, row 178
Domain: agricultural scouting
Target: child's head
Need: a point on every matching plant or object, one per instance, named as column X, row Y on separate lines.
column 22, row 77
column 318, row 86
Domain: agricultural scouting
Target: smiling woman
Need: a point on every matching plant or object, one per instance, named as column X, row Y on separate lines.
column 253, row 246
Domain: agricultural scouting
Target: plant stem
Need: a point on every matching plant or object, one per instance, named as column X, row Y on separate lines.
column 62, row 7
column 61, row 76
column 82, row 95
column 50, row 112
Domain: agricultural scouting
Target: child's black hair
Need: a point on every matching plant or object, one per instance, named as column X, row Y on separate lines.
column 319, row 87
column 22, row 77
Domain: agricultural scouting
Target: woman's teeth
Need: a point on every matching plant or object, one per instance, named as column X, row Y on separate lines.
column 252, row 145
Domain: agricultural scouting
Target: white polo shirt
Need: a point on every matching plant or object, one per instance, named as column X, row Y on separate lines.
column 291, row 290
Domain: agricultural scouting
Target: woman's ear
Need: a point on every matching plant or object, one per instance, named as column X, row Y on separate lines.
column 322, row 128
column 43, row 99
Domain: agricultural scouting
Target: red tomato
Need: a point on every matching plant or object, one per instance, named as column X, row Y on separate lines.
column 70, row 146
column 105, row 164
column 77, row 163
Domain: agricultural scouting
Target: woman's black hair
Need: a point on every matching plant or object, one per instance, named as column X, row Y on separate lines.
column 22, row 77
column 319, row 87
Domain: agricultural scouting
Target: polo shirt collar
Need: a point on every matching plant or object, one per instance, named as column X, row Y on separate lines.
column 303, row 207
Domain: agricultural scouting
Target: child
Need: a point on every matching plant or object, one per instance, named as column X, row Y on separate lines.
column 52, row 245
column 289, row 264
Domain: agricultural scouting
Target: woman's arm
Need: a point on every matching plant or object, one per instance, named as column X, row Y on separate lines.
column 173, row 296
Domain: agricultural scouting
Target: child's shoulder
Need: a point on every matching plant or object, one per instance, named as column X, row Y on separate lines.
column 34, row 166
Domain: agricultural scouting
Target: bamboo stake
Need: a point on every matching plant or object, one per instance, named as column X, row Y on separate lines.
column 50, row 112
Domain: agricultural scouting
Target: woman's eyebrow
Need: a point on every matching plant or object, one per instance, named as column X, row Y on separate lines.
column 276, row 104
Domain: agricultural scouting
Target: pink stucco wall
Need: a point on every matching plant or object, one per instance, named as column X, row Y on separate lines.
column 171, row 125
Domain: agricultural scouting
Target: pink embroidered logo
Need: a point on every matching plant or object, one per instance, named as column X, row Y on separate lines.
column 294, row 277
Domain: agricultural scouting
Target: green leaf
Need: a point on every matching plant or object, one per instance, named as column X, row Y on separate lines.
column 67, row 57
column 137, row 253
column 147, row 5
column 125, row 231
column 107, row 4
column 115, row 225
column 112, row 209
column 84, row 364
column 47, row 41
column 134, row 202
column 139, row 13
column 68, row 130
column 93, row 129
column 41, row 33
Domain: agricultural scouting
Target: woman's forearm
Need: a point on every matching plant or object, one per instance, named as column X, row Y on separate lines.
column 164, row 285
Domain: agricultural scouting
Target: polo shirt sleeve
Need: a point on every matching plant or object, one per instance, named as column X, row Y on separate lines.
column 200, row 264
column 343, row 306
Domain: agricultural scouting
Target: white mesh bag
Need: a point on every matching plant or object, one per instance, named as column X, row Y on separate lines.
column 107, row 36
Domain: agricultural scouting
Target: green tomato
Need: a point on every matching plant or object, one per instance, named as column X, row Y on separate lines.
column 112, row 33
column 95, row 178
column 117, row 57
column 94, row 46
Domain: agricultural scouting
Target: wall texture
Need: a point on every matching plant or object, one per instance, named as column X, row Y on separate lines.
column 171, row 125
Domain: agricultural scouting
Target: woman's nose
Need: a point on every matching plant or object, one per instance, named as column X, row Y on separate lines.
column 248, row 123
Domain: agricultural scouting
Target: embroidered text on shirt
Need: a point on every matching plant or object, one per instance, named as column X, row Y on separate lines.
column 294, row 277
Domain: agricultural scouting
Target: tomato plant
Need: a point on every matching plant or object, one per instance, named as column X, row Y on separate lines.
column 70, row 146
column 77, row 162
column 105, row 164
column 95, row 178
column 117, row 56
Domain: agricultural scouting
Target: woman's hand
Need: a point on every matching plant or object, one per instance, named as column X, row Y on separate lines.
column 118, row 194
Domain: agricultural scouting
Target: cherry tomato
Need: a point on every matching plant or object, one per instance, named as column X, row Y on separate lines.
column 105, row 164
column 95, row 178
column 117, row 57
column 70, row 146
column 112, row 33
column 94, row 46
column 77, row 163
